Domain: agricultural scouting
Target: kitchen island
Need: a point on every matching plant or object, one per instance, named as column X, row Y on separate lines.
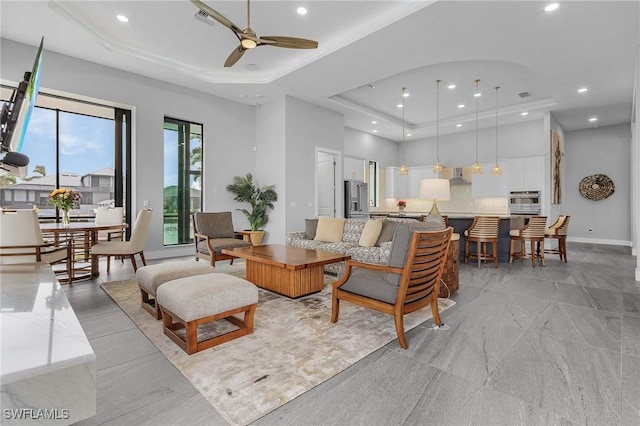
column 462, row 221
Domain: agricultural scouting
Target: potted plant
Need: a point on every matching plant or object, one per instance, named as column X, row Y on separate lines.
column 260, row 199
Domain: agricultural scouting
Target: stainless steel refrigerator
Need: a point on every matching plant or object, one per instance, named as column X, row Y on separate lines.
column 356, row 199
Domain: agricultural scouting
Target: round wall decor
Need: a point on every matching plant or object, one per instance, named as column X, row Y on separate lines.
column 596, row 187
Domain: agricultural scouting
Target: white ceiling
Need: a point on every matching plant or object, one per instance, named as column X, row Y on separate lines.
column 385, row 44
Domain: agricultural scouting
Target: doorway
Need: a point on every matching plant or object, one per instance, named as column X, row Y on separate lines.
column 327, row 178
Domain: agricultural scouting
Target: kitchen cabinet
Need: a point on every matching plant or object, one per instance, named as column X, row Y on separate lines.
column 353, row 168
column 416, row 174
column 486, row 185
column 526, row 173
column 396, row 185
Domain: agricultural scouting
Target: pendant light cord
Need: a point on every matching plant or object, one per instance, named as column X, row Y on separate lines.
column 438, row 121
column 477, row 142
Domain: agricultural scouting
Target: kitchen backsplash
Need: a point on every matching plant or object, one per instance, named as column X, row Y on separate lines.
column 461, row 202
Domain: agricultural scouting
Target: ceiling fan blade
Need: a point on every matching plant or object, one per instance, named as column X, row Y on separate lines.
column 235, row 56
column 289, row 42
column 217, row 16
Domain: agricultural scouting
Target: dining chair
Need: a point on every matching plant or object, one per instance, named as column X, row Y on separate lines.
column 213, row 232
column 532, row 232
column 408, row 282
column 559, row 232
column 110, row 216
column 130, row 248
column 21, row 241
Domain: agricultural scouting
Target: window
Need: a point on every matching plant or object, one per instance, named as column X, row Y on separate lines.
column 71, row 144
column 182, row 179
column 374, row 184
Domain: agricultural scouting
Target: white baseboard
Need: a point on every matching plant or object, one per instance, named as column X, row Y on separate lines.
column 600, row 241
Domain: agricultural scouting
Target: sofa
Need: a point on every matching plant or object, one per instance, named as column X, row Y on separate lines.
column 348, row 239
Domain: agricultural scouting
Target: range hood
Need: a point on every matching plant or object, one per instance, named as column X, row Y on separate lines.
column 457, row 178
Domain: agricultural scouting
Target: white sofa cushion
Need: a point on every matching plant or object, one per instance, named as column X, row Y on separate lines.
column 329, row 229
column 370, row 233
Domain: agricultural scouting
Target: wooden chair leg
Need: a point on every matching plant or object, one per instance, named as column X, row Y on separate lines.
column 532, row 245
column 494, row 248
column 335, row 307
column 108, row 263
column 144, row 262
column 435, row 312
column 466, row 250
column 541, row 251
column 133, row 262
column 398, row 320
column 479, row 251
column 511, row 250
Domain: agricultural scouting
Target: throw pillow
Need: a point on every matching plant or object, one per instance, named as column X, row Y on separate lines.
column 329, row 229
column 370, row 233
column 310, row 226
column 386, row 234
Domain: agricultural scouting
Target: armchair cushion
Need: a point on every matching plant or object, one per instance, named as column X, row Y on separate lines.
column 400, row 246
column 371, row 284
column 215, row 225
column 329, row 229
column 218, row 244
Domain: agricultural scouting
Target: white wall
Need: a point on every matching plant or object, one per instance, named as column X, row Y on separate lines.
column 308, row 127
column 229, row 127
column 370, row 147
column 603, row 150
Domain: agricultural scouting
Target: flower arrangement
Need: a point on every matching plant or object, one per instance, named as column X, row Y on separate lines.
column 402, row 203
column 64, row 198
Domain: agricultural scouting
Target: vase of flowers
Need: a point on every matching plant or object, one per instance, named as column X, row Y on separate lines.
column 401, row 205
column 64, row 199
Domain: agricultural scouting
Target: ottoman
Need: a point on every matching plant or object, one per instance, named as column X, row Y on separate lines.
column 186, row 303
column 151, row 277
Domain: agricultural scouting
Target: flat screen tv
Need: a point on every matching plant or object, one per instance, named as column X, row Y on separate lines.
column 14, row 118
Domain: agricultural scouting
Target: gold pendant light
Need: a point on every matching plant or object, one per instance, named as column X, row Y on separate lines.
column 438, row 167
column 497, row 170
column 404, row 170
column 476, row 168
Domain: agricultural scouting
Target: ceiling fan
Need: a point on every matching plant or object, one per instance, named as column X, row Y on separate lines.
column 249, row 39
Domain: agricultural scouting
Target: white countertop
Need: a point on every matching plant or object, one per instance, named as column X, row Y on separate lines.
column 47, row 361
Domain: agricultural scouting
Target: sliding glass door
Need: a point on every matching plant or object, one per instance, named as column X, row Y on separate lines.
column 182, row 179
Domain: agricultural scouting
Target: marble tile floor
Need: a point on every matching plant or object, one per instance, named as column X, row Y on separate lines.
column 554, row 345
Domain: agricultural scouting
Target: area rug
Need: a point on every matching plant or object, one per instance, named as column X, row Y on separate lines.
column 293, row 348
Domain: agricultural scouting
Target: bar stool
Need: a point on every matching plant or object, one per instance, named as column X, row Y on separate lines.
column 559, row 231
column 533, row 232
column 483, row 230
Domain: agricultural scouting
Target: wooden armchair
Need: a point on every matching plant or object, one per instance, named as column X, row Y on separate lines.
column 409, row 281
column 21, row 241
column 213, row 232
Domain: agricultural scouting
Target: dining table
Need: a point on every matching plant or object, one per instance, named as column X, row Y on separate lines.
column 82, row 235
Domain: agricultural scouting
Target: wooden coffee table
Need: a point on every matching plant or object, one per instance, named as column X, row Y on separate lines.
column 290, row 271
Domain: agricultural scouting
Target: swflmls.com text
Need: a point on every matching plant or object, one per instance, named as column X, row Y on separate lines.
column 35, row 413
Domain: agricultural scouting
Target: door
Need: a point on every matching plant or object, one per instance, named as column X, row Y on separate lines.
column 326, row 164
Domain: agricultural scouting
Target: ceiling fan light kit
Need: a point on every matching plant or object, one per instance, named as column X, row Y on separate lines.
column 248, row 38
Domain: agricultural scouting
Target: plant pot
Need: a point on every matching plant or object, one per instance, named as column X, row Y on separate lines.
column 256, row 237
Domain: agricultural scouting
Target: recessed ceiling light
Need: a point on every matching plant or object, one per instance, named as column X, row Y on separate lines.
column 459, row 125
column 400, row 106
column 524, row 113
column 461, row 106
column 593, row 119
column 242, row 95
column 302, row 11
column 477, row 95
column 252, row 67
column 122, row 18
column 375, row 131
column 451, row 86
column 551, row 7
column 406, row 94
column 408, row 134
column 582, row 90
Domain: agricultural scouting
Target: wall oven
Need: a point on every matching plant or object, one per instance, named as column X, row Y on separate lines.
column 525, row 202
